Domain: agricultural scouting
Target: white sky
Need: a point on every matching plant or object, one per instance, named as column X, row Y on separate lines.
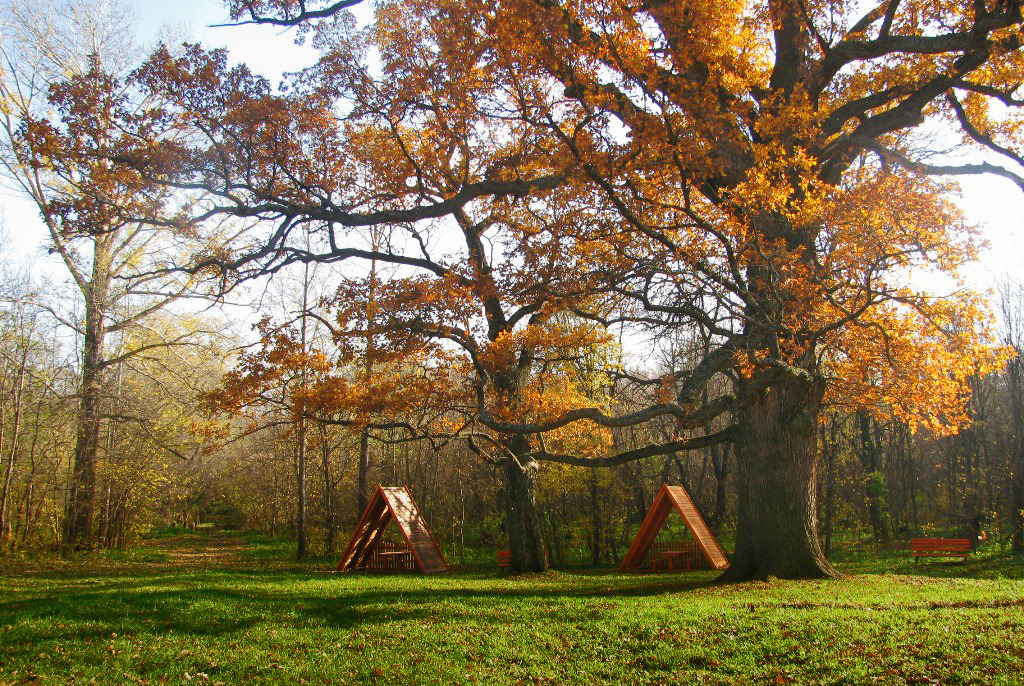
column 268, row 51
column 996, row 205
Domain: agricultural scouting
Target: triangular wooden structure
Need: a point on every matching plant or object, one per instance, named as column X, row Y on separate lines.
column 674, row 498
column 387, row 505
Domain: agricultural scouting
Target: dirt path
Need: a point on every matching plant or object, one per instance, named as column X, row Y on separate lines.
column 186, row 551
column 199, row 550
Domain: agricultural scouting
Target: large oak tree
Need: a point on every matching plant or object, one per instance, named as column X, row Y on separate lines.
column 760, row 171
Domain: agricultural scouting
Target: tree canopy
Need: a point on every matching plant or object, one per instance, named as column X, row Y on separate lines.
column 774, row 180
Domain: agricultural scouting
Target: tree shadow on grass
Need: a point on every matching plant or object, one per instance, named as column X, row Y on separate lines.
column 223, row 603
column 229, row 600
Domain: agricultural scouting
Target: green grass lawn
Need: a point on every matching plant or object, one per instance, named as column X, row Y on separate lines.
column 243, row 617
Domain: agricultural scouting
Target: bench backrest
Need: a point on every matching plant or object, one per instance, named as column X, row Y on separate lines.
column 951, row 544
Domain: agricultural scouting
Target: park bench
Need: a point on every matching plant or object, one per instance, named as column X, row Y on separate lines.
column 390, row 557
column 673, row 556
column 940, row 547
column 671, row 560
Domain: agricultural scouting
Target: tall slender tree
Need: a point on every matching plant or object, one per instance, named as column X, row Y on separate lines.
column 114, row 232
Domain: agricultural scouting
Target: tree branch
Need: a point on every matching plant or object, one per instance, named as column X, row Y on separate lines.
column 895, row 157
column 725, row 435
column 304, row 14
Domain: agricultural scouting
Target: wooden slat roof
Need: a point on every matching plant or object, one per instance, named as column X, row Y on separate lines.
column 393, row 504
column 676, row 498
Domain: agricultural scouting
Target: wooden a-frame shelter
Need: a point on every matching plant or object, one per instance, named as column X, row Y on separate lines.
column 364, row 551
column 671, row 498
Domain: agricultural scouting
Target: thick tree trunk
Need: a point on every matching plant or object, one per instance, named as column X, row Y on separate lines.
column 777, row 483
column 78, row 520
column 522, row 518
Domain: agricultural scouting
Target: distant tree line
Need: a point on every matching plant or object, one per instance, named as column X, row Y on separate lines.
column 165, row 460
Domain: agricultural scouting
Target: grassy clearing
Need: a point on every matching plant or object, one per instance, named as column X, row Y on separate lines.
column 243, row 617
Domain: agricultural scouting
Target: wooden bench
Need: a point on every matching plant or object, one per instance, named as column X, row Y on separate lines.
column 940, row 547
column 674, row 555
column 390, row 557
column 672, row 560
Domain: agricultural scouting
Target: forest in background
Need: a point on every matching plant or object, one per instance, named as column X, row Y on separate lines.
column 504, row 309
column 167, row 459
